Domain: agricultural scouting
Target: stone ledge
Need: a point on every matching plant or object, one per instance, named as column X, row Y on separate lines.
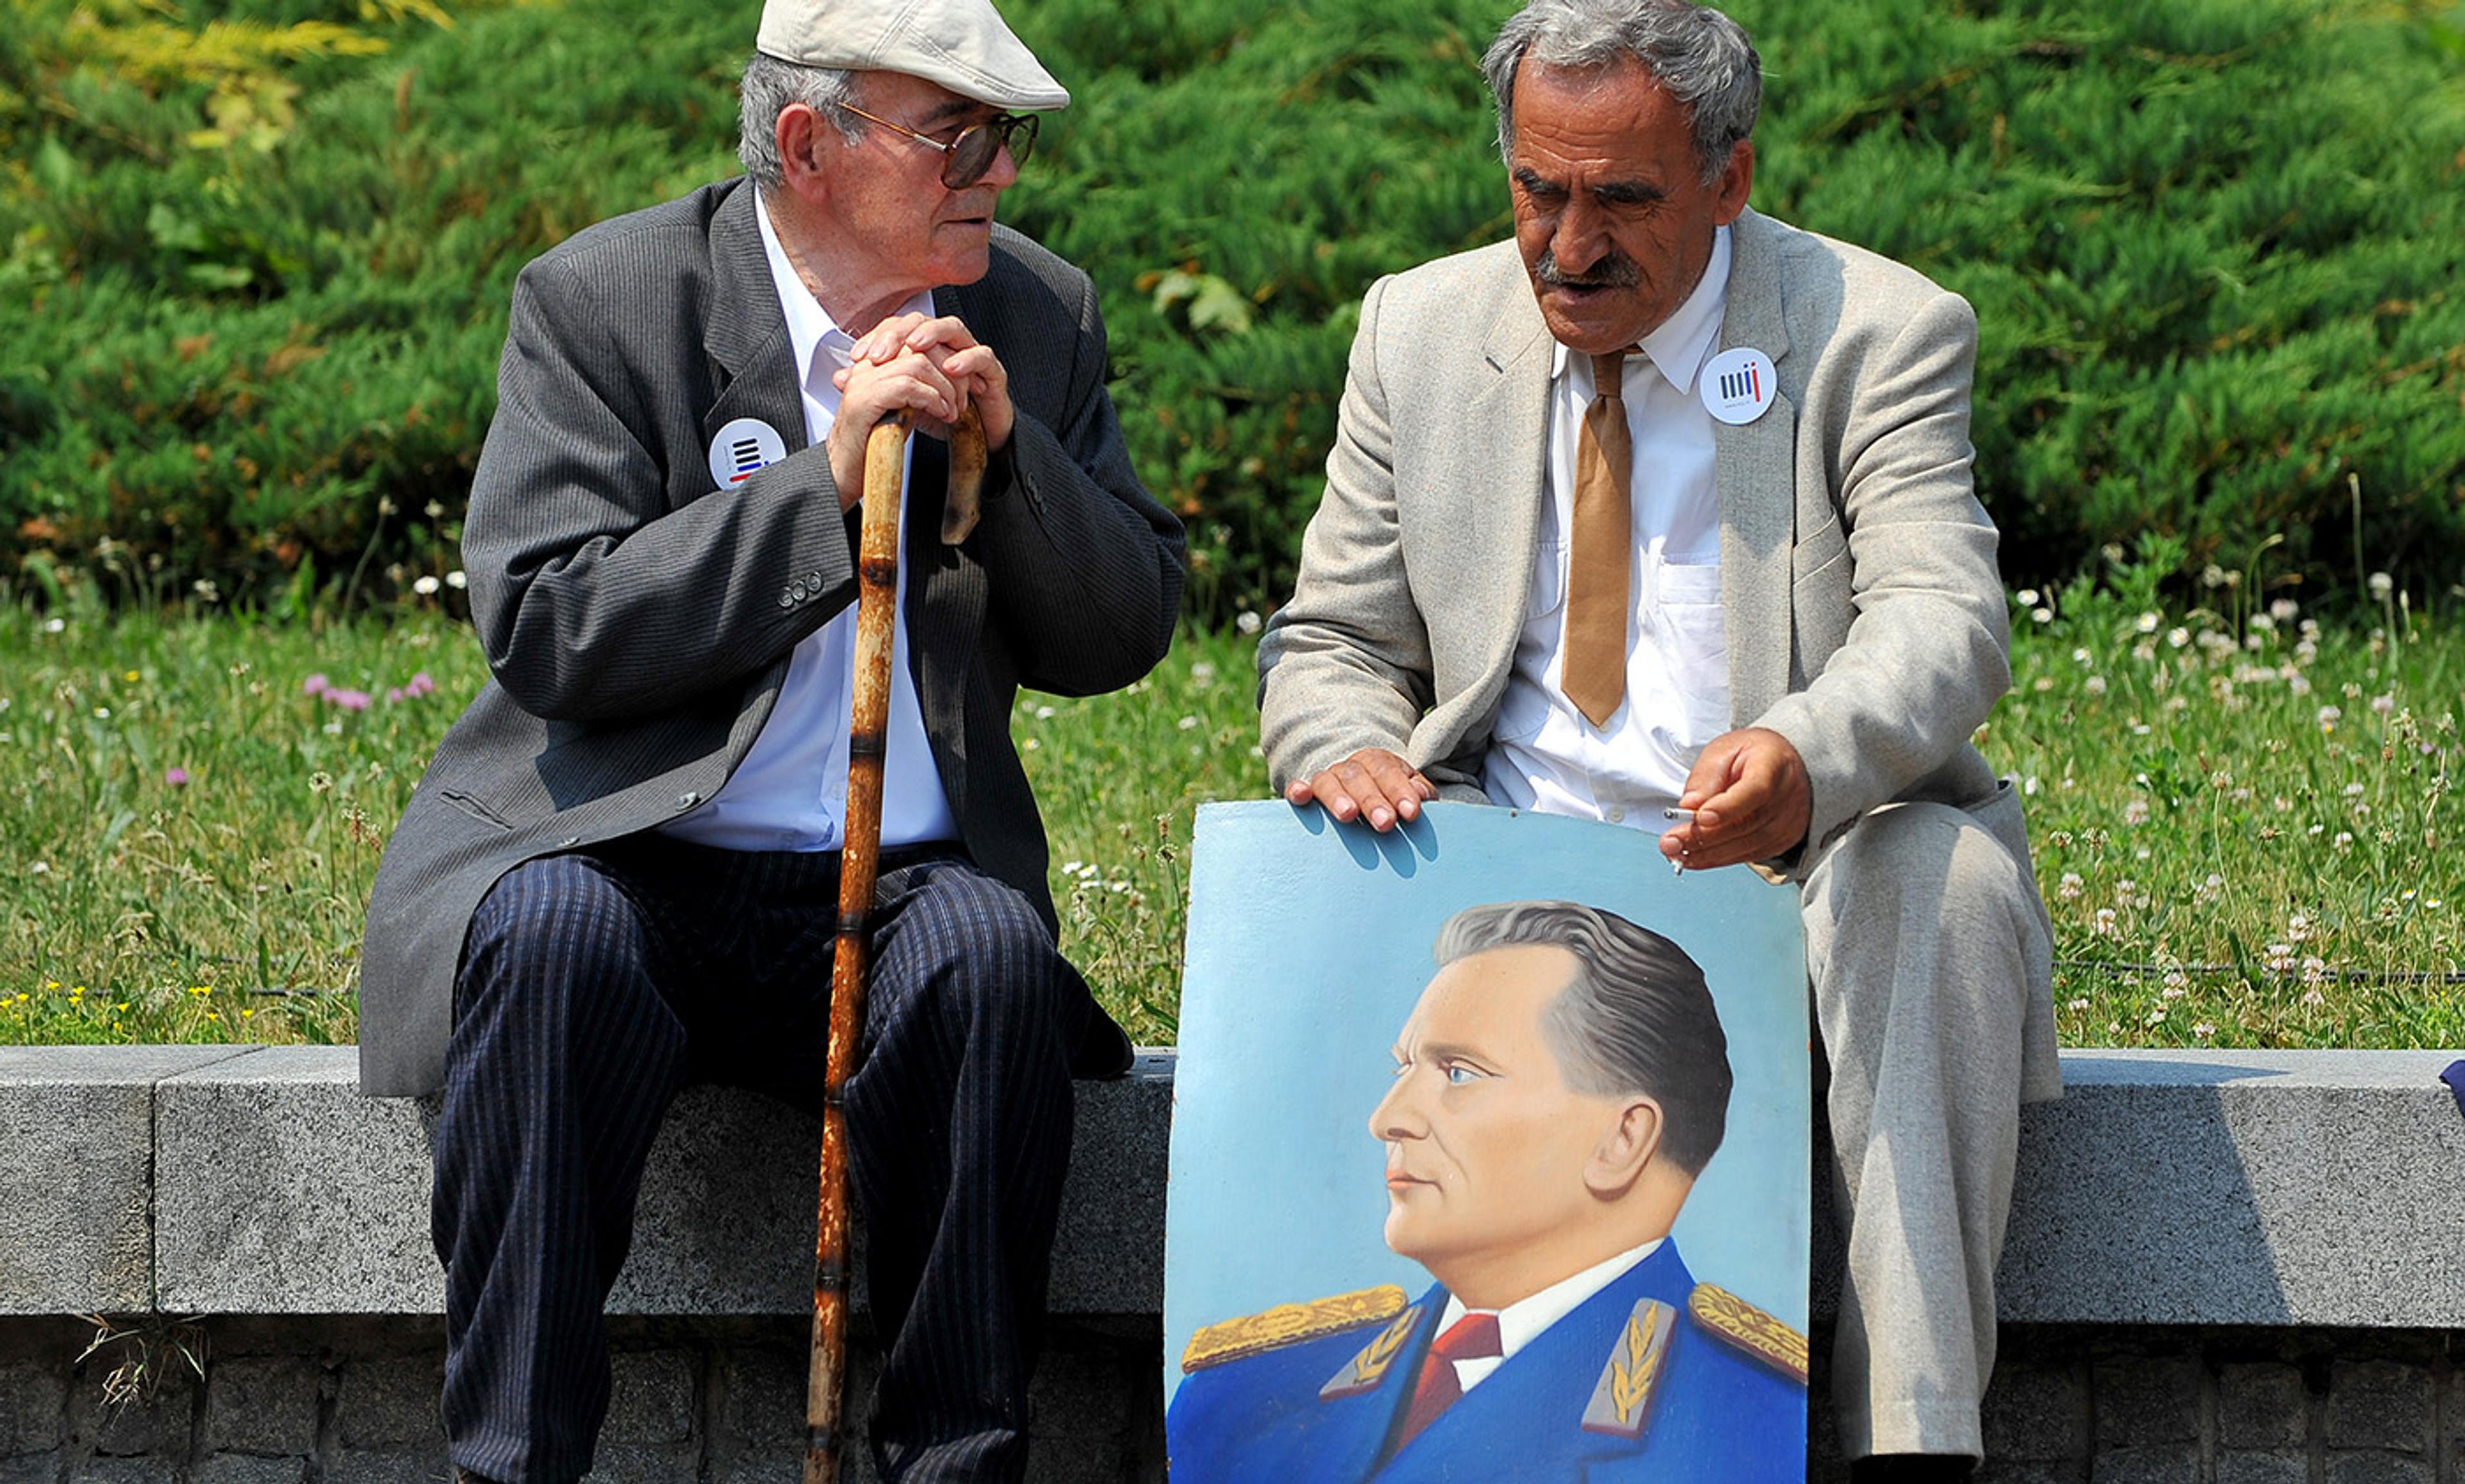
column 2166, row 1187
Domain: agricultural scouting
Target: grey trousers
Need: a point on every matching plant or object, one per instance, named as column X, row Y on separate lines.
column 1930, row 956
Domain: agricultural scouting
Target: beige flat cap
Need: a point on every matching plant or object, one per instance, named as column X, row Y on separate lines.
column 963, row 45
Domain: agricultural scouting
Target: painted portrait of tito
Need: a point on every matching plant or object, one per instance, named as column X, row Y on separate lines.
column 1558, row 1086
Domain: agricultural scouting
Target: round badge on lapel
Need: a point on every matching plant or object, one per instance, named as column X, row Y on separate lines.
column 741, row 448
column 1738, row 385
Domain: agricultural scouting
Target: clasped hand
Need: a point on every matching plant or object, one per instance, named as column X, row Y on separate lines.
column 934, row 369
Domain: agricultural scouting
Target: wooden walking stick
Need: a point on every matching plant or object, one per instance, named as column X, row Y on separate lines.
column 877, row 566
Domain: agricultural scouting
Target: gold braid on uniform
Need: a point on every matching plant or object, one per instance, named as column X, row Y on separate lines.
column 1284, row 1325
column 1749, row 1329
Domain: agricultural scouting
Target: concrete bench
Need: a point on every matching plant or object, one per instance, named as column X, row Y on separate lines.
column 2243, row 1265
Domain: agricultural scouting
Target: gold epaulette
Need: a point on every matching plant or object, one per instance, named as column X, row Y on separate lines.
column 1286, row 1324
column 1747, row 1328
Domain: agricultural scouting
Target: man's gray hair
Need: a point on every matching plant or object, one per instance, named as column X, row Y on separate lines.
column 1701, row 56
column 769, row 86
column 1638, row 1020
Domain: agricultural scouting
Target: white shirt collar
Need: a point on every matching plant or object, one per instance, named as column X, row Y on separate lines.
column 811, row 329
column 1680, row 344
column 1521, row 1322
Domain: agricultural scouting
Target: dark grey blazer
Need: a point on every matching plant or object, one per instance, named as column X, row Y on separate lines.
column 638, row 620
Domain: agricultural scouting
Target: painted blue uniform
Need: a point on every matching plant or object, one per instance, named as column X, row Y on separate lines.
column 1638, row 1385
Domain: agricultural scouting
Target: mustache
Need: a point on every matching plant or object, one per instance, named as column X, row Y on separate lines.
column 1615, row 271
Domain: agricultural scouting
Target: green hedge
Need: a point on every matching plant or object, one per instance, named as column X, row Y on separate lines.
column 253, row 273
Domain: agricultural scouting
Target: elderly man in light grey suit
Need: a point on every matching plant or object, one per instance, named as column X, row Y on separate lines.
column 619, row 873
column 1666, row 507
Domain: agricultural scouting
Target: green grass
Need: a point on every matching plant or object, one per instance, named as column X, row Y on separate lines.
column 2227, row 863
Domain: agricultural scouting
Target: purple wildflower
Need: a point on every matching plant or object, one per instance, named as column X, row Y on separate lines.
column 420, row 684
column 176, row 777
column 316, row 684
column 350, row 701
column 394, row 696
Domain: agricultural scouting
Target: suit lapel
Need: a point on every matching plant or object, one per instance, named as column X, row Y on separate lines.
column 1506, row 477
column 747, row 335
column 755, row 369
column 1754, row 469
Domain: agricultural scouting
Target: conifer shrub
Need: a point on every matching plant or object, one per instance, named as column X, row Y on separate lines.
column 255, row 254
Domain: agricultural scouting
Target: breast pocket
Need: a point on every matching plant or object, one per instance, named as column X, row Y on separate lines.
column 1692, row 629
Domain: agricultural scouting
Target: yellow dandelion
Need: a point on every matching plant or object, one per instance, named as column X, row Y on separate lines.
column 130, row 678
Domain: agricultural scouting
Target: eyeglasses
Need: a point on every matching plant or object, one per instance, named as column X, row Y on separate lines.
column 966, row 159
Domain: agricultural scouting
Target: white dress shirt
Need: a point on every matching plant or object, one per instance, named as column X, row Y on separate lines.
column 790, row 791
column 1544, row 754
column 1521, row 1322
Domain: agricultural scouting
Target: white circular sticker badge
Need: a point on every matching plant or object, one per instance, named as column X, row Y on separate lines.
column 742, row 446
column 1739, row 386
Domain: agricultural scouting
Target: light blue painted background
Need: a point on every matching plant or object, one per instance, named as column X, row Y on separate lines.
column 1309, row 942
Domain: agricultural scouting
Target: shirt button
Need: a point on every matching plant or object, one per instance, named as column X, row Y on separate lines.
column 1617, row 815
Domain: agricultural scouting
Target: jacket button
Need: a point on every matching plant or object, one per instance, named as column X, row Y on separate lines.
column 569, row 842
column 799, row 591
column 787, row 598
column 814, row 580
column 686, row 800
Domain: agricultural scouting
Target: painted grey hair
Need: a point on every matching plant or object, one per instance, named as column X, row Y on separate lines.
column 769, row 86
column 1638, row 1020
column 1701, row 56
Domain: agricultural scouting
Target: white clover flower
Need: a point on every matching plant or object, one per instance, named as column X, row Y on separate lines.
column 1248, row 622
column 2261, row 623
column 2106, row 926
column 456, row 581
column 1186, row 724
column 2028, row 785
column 2070, row 887
column 2381, row 585
column 2283, row 609
column 2080, row 1004
column 2383, row 704
column 1204, row 672
column 2176, row 638
column 2298, row 927
column 2136, row 812
column 2329, row 716
column 425, row 587
column 2281, row 958
column 1045, row 713
column 2095, row 685
column 2146, row 623
column 2204, row 1031
column 2043, row 615
column 2027, row 597
column 2314, row 998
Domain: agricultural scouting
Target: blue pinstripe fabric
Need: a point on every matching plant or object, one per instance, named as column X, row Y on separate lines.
column 594, row 985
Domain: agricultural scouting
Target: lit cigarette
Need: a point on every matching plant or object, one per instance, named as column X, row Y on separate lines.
column 1687, row 815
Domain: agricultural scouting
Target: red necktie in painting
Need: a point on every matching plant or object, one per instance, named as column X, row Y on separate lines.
column 1599, row 550
column 1472, row 1337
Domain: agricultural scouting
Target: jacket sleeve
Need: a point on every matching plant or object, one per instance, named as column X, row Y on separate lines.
column 1926, row 653
column 1346, row 663
column 1085, row 568
column 594, row 597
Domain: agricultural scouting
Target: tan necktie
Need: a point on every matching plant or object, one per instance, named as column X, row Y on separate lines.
column 1601, row 552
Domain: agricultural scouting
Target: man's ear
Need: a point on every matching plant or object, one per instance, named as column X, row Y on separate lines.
column 805, row 138
column 1625, row 1150
column 1737, row 180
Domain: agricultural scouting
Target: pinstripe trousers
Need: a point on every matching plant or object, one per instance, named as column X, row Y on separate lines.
column 593, row 986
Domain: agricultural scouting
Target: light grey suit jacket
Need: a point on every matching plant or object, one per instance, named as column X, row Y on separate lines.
column 1865, row 615
column 638, row 620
